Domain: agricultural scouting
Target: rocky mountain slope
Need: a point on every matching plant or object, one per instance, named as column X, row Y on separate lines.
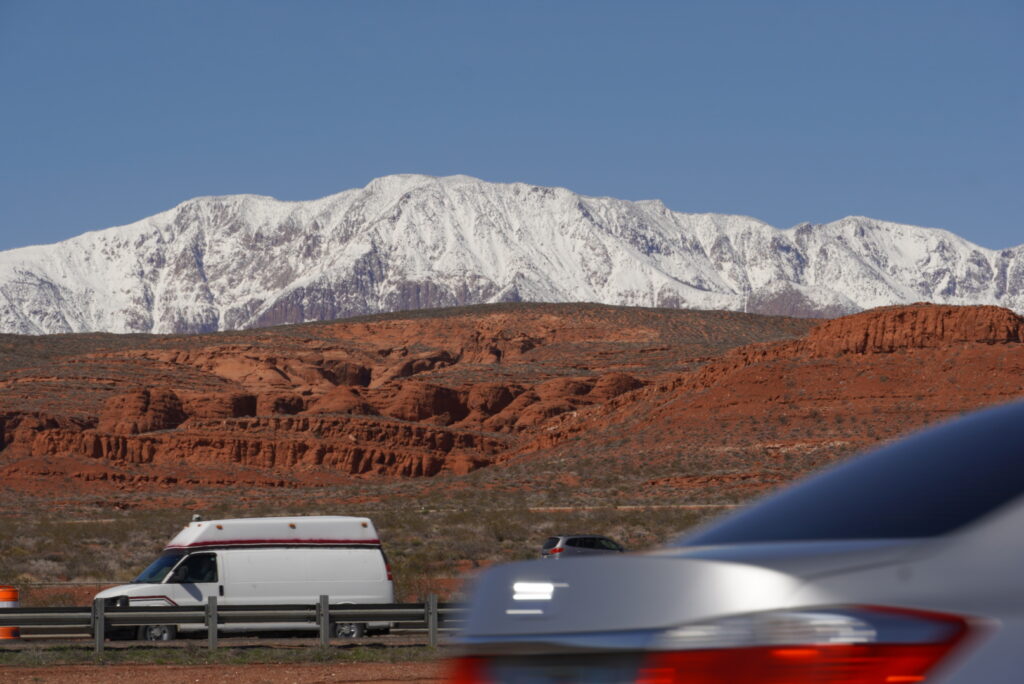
column 410, row 242
column 413, row 395
column 762, row 414
column 583, row 402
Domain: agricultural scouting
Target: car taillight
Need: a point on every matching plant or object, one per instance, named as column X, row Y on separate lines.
column 556, row 550
column 468, row 671
column 844, row 645
column 827, row 646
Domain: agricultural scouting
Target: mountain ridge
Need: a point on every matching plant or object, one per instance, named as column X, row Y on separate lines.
column 410, row 241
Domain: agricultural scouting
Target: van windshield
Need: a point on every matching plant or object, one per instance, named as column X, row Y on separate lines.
column 158, row 569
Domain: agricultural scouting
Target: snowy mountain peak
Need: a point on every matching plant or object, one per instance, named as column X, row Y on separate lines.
column 411, row 241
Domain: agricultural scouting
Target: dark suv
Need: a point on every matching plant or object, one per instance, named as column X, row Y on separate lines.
column 578, row 544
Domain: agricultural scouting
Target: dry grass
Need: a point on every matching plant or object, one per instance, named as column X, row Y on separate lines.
column 429, row 542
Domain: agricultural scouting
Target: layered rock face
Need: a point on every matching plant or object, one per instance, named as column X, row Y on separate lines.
column 762, row 414
column 918, row 327
column 143, row 410
column 391, row 397
column 743, row 401
column 880, row 331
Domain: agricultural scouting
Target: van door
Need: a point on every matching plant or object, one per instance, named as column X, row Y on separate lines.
column 194, row 579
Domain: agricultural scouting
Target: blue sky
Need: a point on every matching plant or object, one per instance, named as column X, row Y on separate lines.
column 786, row 111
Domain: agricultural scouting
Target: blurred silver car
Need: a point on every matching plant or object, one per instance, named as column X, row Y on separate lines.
column 565, row 545
column 904, row 565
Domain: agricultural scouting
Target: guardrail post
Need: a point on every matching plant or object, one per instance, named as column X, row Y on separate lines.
column 99, row 625
column 211, row 620
column 432, row 619
column 323, row 617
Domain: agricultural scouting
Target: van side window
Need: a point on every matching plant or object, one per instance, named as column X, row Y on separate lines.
column 199, row 567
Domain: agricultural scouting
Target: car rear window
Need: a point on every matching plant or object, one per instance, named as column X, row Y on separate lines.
column 923, row 486
column 550, row 543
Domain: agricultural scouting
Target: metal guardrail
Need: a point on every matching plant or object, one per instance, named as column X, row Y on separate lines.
column 95, row 621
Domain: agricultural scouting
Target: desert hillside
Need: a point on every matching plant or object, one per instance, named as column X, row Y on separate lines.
column 467, row 434
column 587, row 396
column 396, row 396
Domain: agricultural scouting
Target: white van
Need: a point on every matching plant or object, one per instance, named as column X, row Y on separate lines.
column 265, row 561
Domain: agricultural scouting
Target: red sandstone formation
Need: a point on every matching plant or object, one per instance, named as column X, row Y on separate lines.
column 420, row 363
column 420, row 401
column 506, row 419
column 611, row 385
column 538, row 412
column 849, row 383
column 219, row 405
column 288, row 403
column 342, row 399
column 878, row 331
column 144, row 410
column 554, row 390
column 346, row 373
column 453, row 392
column 915, row 327
column 489, row 398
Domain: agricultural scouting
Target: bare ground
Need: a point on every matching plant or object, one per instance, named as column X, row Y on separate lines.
column 421, row 672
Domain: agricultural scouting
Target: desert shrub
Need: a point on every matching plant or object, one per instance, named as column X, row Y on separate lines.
column 432, row 532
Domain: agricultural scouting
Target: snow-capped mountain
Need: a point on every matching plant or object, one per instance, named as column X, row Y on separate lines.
column 410, row 241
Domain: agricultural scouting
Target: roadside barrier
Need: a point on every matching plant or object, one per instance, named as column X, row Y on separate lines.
column 96, row 622
column 8, row 599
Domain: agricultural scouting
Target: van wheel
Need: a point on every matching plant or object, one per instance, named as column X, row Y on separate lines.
column 157, row 633
column 349, row 630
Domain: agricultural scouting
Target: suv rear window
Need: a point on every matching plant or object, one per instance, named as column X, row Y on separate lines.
column 923, row 486
column 550, row 543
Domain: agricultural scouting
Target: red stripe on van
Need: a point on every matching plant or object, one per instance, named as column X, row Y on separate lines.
column 150, row 598
column 279, row 542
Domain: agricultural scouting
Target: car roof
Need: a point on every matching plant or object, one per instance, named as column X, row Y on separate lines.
column 570, row 536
